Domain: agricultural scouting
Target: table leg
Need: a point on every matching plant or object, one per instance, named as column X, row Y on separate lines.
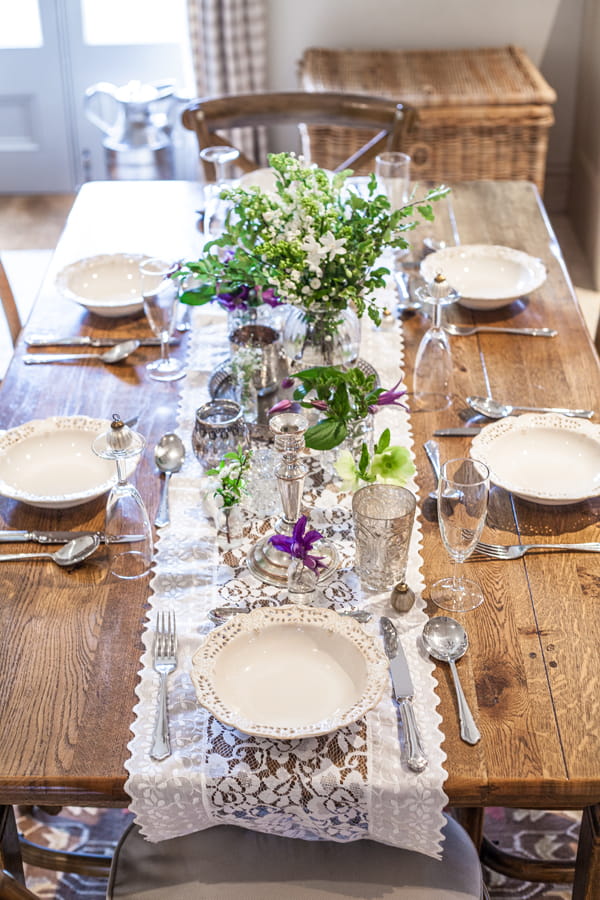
column 10, row 851
column 471, row 819
column 586, row 885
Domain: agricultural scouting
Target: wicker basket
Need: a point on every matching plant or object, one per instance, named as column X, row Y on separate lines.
column 482, row 114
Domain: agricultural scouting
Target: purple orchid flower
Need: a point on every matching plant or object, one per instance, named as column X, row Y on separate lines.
column 319, row 404
column 270, row 297
column 300, row 544
column 285, row 406
column 287, row 383
column 235, row 299
column 389, row 398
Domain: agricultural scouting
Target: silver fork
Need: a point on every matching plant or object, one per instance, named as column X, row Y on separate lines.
column 515, row 551
column 465, row 330
column 165, row 661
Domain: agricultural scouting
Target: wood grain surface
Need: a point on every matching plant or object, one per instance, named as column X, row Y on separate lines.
column 71, row 643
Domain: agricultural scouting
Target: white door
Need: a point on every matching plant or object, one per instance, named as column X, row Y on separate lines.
column 50, row 53
column 36, row 152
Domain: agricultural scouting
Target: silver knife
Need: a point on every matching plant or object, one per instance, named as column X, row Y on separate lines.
column 62, row 537
column 42, row 340
column 465, row 431
column 403, row 692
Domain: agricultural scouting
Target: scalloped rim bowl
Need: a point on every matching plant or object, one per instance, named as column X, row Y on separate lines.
column 289, row 672
column 545, row 458
column 486, row 276
column 108, row 285
column 50, row 464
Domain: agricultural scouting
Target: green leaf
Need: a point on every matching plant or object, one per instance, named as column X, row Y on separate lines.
column 325, row 435
column 363, row 462
column 198, row 296
column 384, row 441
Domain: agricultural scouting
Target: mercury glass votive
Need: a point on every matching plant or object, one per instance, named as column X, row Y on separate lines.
column 219, row 429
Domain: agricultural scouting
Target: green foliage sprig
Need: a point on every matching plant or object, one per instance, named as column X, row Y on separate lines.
column 312, row 240
column 230, row 472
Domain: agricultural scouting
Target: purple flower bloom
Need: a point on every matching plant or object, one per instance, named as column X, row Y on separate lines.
column 287, row 383
column 389, row 398
column 270, row 297
column 300, row 544
column 284, row 406
column 320, row 404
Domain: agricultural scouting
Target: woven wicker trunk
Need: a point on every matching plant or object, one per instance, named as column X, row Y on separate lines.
column 482, row 114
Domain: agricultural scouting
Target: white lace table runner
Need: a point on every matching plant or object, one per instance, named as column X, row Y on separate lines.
column 342, row 786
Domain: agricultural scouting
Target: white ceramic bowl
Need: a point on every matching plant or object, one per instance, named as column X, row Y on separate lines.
column 50, row 464
column 289, row 672
column 545, row 458
column 108, row 285
column 486, row 276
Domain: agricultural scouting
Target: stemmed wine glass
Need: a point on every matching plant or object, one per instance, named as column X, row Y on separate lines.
column 160, row 293
column 126, row 514
column 462, row 507
column 392, row 171
column 432, row 376
column 214, row 207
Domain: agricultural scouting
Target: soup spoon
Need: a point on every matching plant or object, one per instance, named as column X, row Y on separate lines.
column 70, row 554
column 446, row 640
column 486, row 406
column 113, row 355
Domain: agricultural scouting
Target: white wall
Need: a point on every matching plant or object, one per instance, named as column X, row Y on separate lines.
column 548, row 30
column 584, row 205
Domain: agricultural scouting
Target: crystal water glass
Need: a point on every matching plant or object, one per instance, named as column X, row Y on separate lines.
column 160, row 293
column 463, row 491
column 392, row 171
column 383, row 517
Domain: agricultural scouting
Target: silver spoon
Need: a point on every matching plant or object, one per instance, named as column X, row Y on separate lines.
column 446, row 640
column 70, row 554
column 494, row 410
column 221, row 614
column 169, row 454
column 113, row 355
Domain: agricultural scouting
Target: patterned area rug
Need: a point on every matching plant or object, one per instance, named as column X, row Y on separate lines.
column 529, row 833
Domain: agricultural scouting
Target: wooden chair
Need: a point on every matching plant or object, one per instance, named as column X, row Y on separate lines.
column 389, row 119
column 9, row 306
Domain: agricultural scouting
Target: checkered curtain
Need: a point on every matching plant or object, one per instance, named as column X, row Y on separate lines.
column 228, row 40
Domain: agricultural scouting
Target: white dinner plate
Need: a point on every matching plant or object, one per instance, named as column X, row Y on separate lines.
column 289, row 672
column 545, row 458
column 486, row 276
column 50, row 464
column 108, row 285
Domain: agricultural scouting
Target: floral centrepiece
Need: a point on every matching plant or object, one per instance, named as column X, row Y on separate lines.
column 226, row 485
column 310, row 241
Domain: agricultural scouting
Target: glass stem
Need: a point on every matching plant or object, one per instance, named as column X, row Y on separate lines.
column 121, row 476
column 455, row 573
column 437, row 316
column 164, row 347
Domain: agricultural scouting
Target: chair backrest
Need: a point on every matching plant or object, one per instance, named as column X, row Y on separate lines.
column 389, row 119
column 9, row 306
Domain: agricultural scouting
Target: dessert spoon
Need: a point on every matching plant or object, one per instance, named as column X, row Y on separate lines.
column 491, row 408
column 445, row 639
column 113, row 355
column 221, row 614
column 70, row 554
column 169, row 454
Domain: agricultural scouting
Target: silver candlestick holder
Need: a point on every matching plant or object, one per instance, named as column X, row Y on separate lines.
column 265, row 561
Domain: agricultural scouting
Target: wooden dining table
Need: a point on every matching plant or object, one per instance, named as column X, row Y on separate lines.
column 71, row 643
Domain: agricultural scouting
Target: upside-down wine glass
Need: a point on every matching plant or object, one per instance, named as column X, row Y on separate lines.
column 160, row 293
column 432, row 378
column 126, row 514
column 462, row 507
column 214, row 207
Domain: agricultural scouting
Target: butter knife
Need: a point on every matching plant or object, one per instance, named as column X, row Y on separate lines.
column 63, row 537
column 403, row 692
column 43, row 340
column 465, row 431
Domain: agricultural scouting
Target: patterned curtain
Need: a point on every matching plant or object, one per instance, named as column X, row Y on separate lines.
column 229, row 49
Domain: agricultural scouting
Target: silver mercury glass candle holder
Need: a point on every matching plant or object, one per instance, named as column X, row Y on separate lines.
column 265, row 561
